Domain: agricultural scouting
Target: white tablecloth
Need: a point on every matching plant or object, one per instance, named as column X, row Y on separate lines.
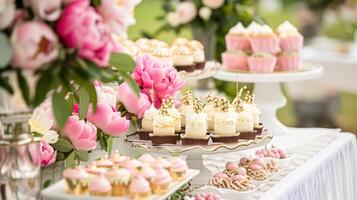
column 326, row 166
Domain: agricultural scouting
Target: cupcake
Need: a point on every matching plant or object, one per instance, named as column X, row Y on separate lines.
column 174, row 113
column 147, row 123
column 119, row 180
column 161, row 182
column 161, row 163
column 251, row 107
column 210, row 110
column 142, row 41
column 100, row 187
column 118, row 159
column 262, row 38
column 162, row 54
column 186, row 106
column 225, row 123
column 180, row 41
column 235, row 60
column 245, row 121
column 182, row 58
column 178, row 169
column 196, row 126
column 163, row 127
column 132, row 164
column 290, row 38
column 139, row 189
column 198, row 54
column 104, row 162
column 288, row 61
column 158, row 43
column 145, row 49
column 237, row 38
column 129, row 47
column 147, row 159
column 257, row 172
column 76, row 181
column 262, row 62
column 93, row 170
column 146, row 172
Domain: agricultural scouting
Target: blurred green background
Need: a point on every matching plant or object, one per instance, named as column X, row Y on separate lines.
column 149, row 10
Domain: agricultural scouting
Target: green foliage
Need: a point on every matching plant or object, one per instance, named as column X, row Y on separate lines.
column 63, row 145
column 5, row 50
column 62, row 106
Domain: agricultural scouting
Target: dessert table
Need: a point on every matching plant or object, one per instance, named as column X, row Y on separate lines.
column 324, row 167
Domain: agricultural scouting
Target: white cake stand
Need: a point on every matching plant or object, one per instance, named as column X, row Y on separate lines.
column 268, row 94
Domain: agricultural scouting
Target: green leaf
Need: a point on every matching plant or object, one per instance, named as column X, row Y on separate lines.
column 100, row 73
column 71, row 160
column 89, row 87
column 25, row 91
column 83, row 102
column 47, row 183
column 103, row 142
column 60, row 156
column 122, row 62
column 42, row 88
column 82, row 155
column 109, row 144
column 62, row 108
column 5, row 85
column 96, row 3
column 36, row 134
column 5, row 50
column 63, row 145
column 131, row 82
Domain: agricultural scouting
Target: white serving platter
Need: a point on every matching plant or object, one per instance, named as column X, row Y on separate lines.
column 57, row 191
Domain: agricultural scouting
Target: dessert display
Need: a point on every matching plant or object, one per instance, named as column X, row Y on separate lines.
column 128, row 177
column 259, row 49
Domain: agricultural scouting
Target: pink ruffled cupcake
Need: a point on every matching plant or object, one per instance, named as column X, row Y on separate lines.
column 76, row 180
column 178, row 169
column 262, row 63
column 235, row 60
column 237, row 38
column 161, row 182
column 290, row 38
column 100, row 187
column 288, row 61
column 262, row 38
column 139, row 189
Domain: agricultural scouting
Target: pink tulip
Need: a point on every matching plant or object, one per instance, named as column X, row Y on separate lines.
column 48, row 10
column 117, row 126
column 81, row 27
column 48, row 154
column 132, row 103
column 7, row 13
column 157, row 76
column 34, row 44
column 83, row 135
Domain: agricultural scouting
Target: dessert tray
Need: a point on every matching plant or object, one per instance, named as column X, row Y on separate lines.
column 210, row 69
column 57, row 190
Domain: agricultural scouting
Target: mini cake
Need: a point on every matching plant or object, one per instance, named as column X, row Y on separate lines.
column 139, row 189
column 196, row 126
column 129, row 47
column 237, row 38
column 182, row 58
column 288, row 61
column 92, row 169
column 225, row 123
column 142, row 41
column 174, row 113
column 118, row 159
column 290, row 38
column 76, row 180
column 245, row 121
column 158, row 43
column 160, row 183
column 100, row 187
column 180, row 41
column 262, row 62
column 147, row 123
column 104, row 162
column 132, row 164
column 235, row 60
column 210, row 111
column 262, row 38
column 164, row 127
column 237, row 182
column 272, row 166
column 161, row 163
column 252, row 108
column 146, row 172
column 147, row 159
column 257, row 172
column 233, row 169
column 119, row 179
column 145, row 48
column 162, row 54
column 198, row 54
column 178, row 169
column 186, row 107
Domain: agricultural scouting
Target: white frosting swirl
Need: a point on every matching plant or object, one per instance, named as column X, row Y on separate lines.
column 286, row 28
column 245, row 121
column 196, row 125
column 151, row 113
column 162, row 121
column 255, row 29
column 238, row 29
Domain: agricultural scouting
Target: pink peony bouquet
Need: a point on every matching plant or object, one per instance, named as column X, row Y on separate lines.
column 63, row 54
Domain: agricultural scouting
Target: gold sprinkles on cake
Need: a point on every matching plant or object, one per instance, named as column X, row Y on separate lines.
column 187, row 99
column 209, row 98
column 239, row 106
column 249, row 98
column 224, row 107
column 169, row 102
column 163, row 111
column 197, row 105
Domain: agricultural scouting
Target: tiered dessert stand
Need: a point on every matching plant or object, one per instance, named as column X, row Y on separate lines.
column 268, row 93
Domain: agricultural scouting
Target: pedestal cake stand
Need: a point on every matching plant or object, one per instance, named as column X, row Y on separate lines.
column 194, row 153
column 268, row 93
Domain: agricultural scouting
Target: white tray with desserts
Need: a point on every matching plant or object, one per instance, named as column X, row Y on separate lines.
column 211, row 67
column 58, row 191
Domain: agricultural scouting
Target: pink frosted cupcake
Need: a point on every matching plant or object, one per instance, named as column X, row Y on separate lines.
column 237, row 38
column 161, row 163
column 119, row 179
column 132, row 164
column 262, row 38
column 290, row 38
column 100, row 187
column 161, row 182
column 235, row 60
column 104, row 163
column 147, row 158
column 178, row 169
column 288, row 61
column 139, row 189
column 76, row 181
column 262, row 63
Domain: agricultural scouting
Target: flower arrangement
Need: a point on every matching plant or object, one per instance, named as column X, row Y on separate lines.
column 67, row 48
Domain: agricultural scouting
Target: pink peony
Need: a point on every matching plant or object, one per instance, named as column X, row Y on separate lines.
column 132, row 103
column 80, row 27
column 48, row 154
column 109, row 121
column 48, row 10
column 7, row 13
column 157, row 76
column 34, row 44
column 214, row 4
column 187, row 11
column 83, row 135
